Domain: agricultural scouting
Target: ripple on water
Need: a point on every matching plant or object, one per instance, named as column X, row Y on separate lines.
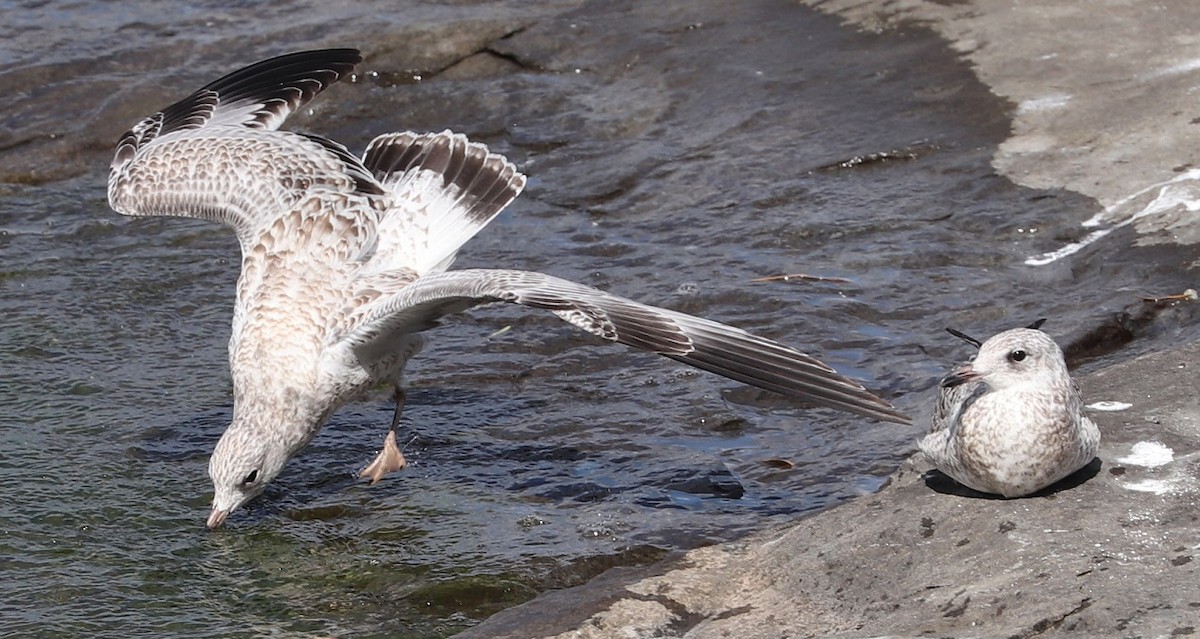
column 677, row 166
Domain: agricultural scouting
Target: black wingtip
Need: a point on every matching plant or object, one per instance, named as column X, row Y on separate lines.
column 281, row 84
column 341, row 61
column 964, row 337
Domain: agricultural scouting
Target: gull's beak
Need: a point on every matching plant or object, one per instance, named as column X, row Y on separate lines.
column 216, row 518
column 962, row 375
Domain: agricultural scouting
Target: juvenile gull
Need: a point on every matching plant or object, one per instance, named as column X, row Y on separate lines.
column 1011, row 422
column 344, row 262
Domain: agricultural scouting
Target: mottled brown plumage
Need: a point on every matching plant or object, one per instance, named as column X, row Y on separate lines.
column 1011, row 422
column 344, row 263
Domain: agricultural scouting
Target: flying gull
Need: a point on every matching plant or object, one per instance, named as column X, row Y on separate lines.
column 344, row 264
column 1011, row 422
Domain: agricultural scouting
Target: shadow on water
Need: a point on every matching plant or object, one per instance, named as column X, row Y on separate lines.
column 676, row 153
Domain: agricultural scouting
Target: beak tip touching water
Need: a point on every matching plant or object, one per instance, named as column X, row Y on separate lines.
column 216, row 518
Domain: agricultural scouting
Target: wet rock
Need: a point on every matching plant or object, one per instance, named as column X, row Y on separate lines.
column 480, row 65
column 1122, row 108
column 1110, row 549
column 429, row 49
column 715, row 483
column 60, row 118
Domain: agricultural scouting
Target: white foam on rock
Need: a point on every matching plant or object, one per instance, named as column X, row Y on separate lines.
column 1110, row 406
column 1148, row 455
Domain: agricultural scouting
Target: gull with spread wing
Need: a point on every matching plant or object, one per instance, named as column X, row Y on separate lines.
column 344, row 264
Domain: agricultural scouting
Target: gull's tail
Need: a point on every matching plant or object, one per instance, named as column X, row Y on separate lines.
column 443, row 190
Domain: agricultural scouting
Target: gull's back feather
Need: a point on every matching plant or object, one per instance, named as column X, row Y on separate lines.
column 951, row 402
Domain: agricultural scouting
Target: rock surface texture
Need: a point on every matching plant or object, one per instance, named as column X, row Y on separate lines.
column 1103, row 90
column 1105, row 107
column 1111, row 551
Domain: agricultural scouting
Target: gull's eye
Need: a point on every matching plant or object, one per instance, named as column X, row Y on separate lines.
column 250, row 478
column 1016, row 355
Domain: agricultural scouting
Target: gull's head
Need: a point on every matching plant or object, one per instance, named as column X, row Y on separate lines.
column 1013, row 358
column 243, row 463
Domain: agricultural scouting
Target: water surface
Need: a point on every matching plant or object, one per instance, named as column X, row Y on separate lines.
column 676, row 153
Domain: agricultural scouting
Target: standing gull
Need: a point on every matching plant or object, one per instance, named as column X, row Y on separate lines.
column 344, row 263
column 1011, row 422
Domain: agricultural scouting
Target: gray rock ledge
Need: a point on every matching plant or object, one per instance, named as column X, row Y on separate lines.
column 1111, row 556
column 1105, row 96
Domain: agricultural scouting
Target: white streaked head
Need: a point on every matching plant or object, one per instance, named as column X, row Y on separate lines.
column 245, row 460
column 1016, row 357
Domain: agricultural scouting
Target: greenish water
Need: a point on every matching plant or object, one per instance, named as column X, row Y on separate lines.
column 675, row 154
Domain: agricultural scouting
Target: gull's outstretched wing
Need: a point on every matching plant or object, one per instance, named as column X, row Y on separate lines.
column 216, row 155
column 715, row 347
column 260, row 96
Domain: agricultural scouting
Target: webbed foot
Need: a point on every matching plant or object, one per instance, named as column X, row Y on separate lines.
column 388, row 460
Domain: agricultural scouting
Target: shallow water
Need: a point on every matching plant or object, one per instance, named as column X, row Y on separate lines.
column 675, row 154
